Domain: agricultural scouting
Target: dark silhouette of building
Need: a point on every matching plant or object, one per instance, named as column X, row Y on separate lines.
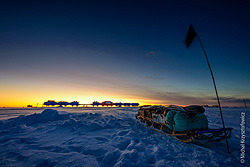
column 74, row 103
column 50, row 103
column 95, row 103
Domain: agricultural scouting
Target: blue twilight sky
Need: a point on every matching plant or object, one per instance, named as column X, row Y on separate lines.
column 123, row 50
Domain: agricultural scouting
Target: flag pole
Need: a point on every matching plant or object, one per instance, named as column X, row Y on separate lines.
column 244, row 100
column 216, row 92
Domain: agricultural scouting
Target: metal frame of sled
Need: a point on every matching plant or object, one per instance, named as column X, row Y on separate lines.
column 188, row 136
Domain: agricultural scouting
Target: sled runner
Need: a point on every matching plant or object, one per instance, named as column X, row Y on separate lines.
column 186, row 124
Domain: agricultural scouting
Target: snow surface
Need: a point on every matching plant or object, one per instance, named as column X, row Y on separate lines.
column 110, row 137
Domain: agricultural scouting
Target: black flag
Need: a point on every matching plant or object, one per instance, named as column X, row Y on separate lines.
column 189, row 39
column 190, row 36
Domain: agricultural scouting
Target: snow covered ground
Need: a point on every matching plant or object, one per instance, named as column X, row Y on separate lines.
column 111, row 137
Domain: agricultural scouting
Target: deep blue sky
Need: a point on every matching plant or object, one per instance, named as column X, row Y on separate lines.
column 126, row 50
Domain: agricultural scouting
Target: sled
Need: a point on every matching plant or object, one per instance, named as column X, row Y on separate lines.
column 154, row 117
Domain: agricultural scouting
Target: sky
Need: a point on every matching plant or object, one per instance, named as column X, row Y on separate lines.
column 123, row 51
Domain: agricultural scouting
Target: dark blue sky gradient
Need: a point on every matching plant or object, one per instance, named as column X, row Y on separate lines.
column 128, row 48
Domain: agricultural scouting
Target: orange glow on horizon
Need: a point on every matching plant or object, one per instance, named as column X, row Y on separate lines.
column 22, row 98
column 21, row 95
column 23, row 101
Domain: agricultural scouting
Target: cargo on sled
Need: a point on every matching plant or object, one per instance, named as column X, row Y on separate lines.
column 183, row 123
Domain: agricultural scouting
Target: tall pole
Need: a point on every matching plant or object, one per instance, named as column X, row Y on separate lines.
column 216, row 92
column 244, row 100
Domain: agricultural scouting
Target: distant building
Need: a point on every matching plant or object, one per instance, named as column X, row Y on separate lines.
column 127, row 104
column 118, row 104
column 95, row 103
column 60, row 103
column 146, row 105
column 74, row 103
column 107, row 103
column 63, row 103
column 50, row 103
column 135, row 104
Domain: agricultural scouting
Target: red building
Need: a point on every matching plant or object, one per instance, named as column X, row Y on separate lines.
column 107, row 103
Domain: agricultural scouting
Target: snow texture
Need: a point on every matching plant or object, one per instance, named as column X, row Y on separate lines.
column 106, row 137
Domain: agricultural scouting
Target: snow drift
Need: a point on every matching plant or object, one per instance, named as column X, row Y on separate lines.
column 110, row 137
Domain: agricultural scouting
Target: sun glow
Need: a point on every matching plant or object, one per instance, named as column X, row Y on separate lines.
column 22, row 97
